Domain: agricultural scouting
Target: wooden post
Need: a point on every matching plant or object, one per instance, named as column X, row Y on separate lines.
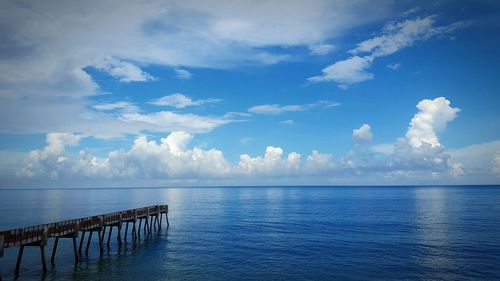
column 109, row 235
column 42, row 254
column 74, row 249
column 2, row 239
column 103, row 231
column 81, row 243
column 45, row 237
column 139, row 229
column 119, row 237
column 134, row 233
column 126, row 230
column 88, row 243
column 19, row 257
column 54, row 251
column 1, row 254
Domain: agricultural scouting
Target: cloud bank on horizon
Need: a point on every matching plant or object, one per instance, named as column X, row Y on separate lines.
column 165, row 92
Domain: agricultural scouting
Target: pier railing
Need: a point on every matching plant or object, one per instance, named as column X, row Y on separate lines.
column 38, row 235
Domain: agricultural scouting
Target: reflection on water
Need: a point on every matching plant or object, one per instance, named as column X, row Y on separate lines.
column 432, row 228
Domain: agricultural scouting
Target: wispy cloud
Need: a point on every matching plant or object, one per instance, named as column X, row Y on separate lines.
column 53, row 60
column 170, row 121
column 321, row 49
column 120, row 105
column 182, row 74
column 179, row 100
column 394, row 66
column 393, row 37
column 124, row 71
column 276, row 109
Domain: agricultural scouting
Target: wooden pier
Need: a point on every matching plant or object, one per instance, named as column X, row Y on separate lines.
column 39, row 235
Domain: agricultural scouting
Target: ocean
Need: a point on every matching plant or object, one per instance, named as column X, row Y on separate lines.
column 274, row 233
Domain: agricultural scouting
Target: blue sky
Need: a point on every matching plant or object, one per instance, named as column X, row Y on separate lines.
column 160, row 93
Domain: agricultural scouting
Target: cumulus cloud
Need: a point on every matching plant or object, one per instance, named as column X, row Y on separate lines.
column 319, row 163
column 393, row 37
column 432, row 117
column 52, row 159
column 276, row 109
column 173, row 158
column 179, row 100
column 362, row 135
column 272, row 164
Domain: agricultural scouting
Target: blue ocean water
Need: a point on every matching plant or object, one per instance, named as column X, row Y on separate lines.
column 275, row 233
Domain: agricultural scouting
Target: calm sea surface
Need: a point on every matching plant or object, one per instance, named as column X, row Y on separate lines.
column 275, row 233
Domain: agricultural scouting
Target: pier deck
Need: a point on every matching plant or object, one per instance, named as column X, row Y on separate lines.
column 38, row 235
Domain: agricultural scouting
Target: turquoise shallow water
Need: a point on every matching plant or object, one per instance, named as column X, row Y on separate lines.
column 276, row 233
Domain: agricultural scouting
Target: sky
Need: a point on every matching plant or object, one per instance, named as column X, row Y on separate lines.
column 204, row 93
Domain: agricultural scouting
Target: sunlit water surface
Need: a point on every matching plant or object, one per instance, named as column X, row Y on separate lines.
column 275, row 233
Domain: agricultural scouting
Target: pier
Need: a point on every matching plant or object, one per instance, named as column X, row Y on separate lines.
column 39, row 235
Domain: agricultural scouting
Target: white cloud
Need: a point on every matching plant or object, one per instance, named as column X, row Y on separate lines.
column 38, row 116
column 288, row 122
column 321, row 49
column 496, row 163
column 272, row 164
column 51, row 160
column 394, row 37
column 432, row 117
column 478, row 159
column 123, row 71
column 394, row 66
column 47, row 48
column 183, row 74
column 245, row 140
column 64, row 40
column 173, row 159
column 120, row 105
column 179, row 100
column 362, row 135
column 346, row 72
column 276, row 109
column 383, row 148
column 318, row 163
column 457, row 170
column 167, row 121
